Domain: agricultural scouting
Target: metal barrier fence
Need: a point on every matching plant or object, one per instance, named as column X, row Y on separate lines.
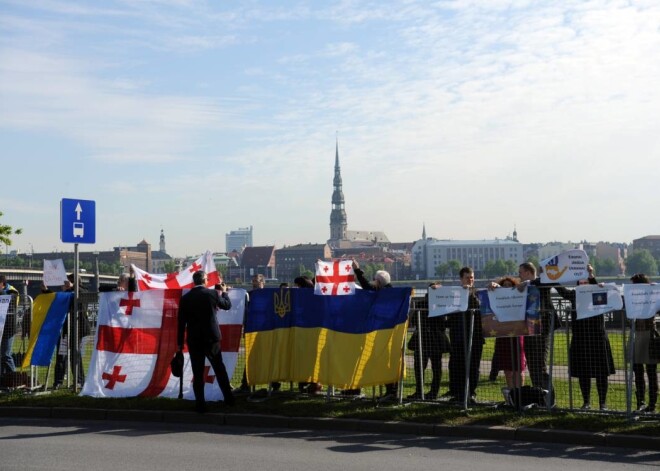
column 587, row 366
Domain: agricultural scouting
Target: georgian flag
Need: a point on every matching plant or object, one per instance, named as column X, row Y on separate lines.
column 334, row 278
column 136, row 339
column 181, row 279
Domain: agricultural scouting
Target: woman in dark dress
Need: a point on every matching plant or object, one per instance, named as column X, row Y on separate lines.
column 641, row 359
column 590, row 353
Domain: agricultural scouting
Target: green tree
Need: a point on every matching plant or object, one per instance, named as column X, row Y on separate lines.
column 489, row 269
column 442, row 270
column 641, row 261
column 454, row 267
column 495, row 268
column 6, row 232
column 604, row 266
column 170, row 267
column 511, row 267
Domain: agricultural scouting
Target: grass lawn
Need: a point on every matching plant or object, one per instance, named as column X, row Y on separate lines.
column 292, row 405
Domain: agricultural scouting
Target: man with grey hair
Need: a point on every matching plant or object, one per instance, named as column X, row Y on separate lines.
column 381, row 280
column 197, row 320
column 122, row 282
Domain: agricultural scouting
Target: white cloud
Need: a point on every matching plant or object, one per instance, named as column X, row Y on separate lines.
column 443, row 106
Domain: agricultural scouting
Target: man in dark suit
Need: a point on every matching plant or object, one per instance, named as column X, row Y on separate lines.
column 197, row 318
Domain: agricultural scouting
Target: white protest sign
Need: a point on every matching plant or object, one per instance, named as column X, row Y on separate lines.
column 445, row 300
column 593, row 300
column 508, row 304
column 567, row 267
column 54, row 273
column 5, row 299
column 642, row 300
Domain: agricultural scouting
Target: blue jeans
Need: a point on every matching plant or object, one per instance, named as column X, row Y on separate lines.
column 6, row 359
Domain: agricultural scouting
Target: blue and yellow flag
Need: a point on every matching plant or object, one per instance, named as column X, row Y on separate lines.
column 48, row 315
column 346, row 341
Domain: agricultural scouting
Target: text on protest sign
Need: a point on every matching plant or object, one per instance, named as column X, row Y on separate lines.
column 446, row 300
column 54, row 273
column 593, row 300
column 642, row 300
column 5, row 299
column 567, row 267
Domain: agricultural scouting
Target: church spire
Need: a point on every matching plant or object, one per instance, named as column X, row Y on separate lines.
column 423, row 231
column 161, row 246
column 338, row 222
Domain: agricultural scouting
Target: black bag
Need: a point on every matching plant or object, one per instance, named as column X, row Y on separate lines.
column 176, row 365
column 654, row 345
column 528, row 396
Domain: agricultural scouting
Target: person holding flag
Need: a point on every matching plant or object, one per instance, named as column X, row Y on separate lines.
column 381, row 280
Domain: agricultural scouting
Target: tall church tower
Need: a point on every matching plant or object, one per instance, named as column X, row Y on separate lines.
column 338, row 222
column 161, row 245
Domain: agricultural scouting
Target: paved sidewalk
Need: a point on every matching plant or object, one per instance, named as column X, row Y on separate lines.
column 523, row 434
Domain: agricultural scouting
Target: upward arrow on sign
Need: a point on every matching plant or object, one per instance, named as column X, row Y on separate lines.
column 78, row 211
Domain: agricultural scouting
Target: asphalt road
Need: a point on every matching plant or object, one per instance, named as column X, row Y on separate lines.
column 37, row 444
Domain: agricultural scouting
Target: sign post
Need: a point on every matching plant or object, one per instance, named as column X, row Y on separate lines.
column 77, row 226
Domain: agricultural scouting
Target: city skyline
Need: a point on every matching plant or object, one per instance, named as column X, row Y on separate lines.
column 469, row 117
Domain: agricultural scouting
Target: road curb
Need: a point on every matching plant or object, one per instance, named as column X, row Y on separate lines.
column 525, row 434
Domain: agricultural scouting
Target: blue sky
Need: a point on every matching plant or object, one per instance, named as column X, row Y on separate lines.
column 200, row 117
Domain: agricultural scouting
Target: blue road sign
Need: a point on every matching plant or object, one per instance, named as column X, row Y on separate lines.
column 78, row 221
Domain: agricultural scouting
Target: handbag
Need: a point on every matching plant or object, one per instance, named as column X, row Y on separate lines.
column 176, row 365
column 654, row 345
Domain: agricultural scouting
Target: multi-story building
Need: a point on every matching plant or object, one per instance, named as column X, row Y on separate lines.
column 238, row 239
column 259, row 261
column 650, row 243
column 429, row 253
column 291, row 261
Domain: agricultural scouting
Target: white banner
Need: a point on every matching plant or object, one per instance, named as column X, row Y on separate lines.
column 5, row 299
column 593, row 300
column 642, row 300
column 567, row 267
column 445, row 300
column 508, row 304
column 54, row 273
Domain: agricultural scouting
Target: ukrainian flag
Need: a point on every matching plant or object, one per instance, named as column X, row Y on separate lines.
column 347, row 341
column 48, row 314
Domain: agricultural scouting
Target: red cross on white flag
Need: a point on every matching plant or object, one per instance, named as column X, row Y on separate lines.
column 334, row 278
column 182, row 279
column 132, row 352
